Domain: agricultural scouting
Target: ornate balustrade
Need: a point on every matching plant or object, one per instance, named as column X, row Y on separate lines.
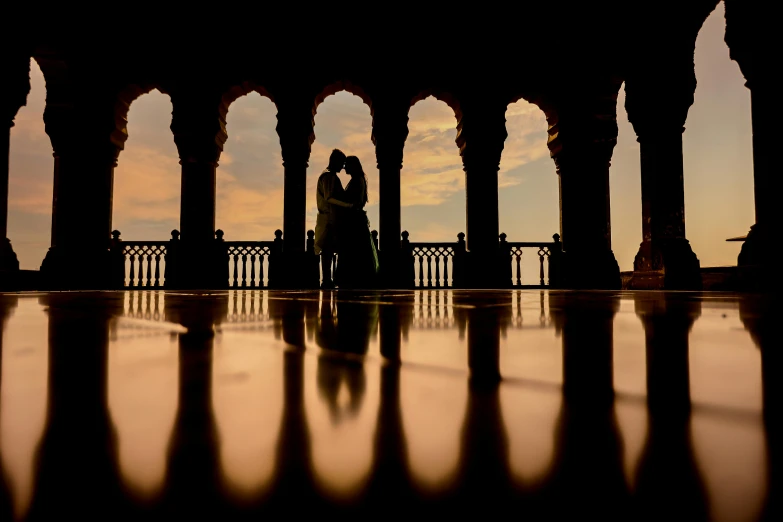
column 262, row 264
column 138, row 263
column 543, row 258
column 251, row 264
column 433, row 265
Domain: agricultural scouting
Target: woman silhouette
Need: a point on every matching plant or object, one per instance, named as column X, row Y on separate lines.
column 357, row 262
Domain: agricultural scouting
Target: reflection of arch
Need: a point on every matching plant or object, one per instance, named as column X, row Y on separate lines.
column 346, row 86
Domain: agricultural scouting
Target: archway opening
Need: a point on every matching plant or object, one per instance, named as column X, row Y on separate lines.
column 625, row 190
column 30, row 178
column 344, row 122
column 528, row 198
column 250, row 176
column 717, row 150
column 147, row 179
column 432, row 192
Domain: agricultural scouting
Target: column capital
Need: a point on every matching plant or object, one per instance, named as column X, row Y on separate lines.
column 295, row 128
column 751, row 39
column 481, row 134
column 199, row 126
column 584, row 137
column 16, row 87
column 389, row 132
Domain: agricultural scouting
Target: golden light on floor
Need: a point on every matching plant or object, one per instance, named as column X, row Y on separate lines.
column 23, row 398
column 143, row 374
column 247, row 399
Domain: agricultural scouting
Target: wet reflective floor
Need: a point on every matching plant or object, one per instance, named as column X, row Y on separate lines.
column 148, row 405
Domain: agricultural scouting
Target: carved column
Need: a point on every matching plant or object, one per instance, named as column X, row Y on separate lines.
column 659, row 95
column 198, row 124
column 581, row 142
column 85, row 154
column 481, row 133
column 750, row 34
column 295, row 129
column 389, row 132
column 18, row 86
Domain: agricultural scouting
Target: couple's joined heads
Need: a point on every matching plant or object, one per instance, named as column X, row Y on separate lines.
column 338, row 161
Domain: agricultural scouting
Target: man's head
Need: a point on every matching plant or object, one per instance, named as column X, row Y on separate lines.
column 336, row 161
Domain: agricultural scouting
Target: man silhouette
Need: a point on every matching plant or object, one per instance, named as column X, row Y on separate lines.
column 328, row 195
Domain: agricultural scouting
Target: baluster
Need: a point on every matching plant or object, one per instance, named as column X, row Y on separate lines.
column 149, row 268
column 132, row 274
column 244, row 270
column 140, row 275
column 446, row 271
column 253, row 270
column 235, row 256
column 421, row 270
column 157, row 271
column 437, row 269
column 519, row 267
column 429, row 269
column 541, row 266
column 261, row 282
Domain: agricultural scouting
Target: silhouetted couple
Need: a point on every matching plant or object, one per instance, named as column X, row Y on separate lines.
column 342, row 226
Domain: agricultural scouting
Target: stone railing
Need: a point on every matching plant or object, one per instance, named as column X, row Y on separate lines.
column 433, row 265
column 546, row 257
column 139, row 263
column 262, row 264
column 251, row 264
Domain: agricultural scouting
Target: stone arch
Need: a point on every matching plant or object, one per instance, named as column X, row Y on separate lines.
column 444, row 96
column 343, row 85
column 125, row 97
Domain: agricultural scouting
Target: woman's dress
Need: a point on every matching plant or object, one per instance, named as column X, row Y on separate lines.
column 357, row 257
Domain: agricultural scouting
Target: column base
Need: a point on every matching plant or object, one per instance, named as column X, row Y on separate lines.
column 77, row 268
column 593, row 269
column 755, row 269
column 668, row 264
column 482, row 271
column 8, row 260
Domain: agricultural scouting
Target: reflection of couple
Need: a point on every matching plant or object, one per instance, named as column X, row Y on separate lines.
column 342, row 226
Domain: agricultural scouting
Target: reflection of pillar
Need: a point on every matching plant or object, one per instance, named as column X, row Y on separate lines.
column 390, row 473
column 658, row 99
column 77, row 459
column 668, row 478
column 16, row 87
column 760, row 318
column 481, row 135
column 192, row 484
column 581, row 143
column 752, row 44
column 389, row 131
column 588, row 463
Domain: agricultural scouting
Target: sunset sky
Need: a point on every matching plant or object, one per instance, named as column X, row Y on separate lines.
column 716, row 143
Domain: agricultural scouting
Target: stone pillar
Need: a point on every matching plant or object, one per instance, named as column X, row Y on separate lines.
column 295, row 129
column 657, row 102
column 198, row 124
column 389, row 131
column 18, row 86
column 481, row 133
column 750, row 37
column 84, row 159
column 581, row 144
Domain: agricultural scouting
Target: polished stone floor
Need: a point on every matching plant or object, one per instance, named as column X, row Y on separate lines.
column 539, row 405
